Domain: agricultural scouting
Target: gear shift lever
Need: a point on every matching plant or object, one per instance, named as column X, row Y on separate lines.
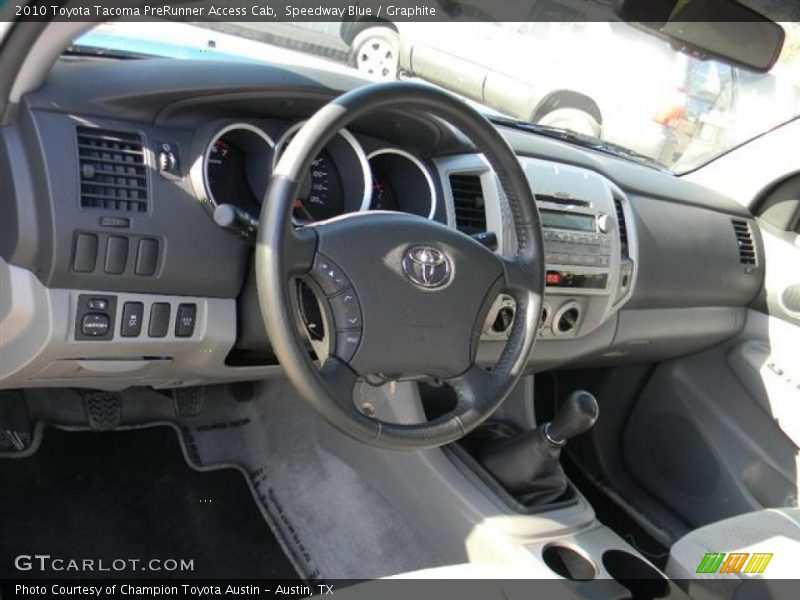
column 576, row 416
column 527, row 465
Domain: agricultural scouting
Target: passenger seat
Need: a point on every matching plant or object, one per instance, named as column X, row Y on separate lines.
column 731, row 558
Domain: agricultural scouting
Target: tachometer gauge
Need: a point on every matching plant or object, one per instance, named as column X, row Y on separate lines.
column 226, row 173
column 236, row 167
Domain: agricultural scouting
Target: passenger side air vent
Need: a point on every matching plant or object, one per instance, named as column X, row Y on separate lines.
column 621, row 227
column 744, row 237
column 112, row 170
column 469, row 204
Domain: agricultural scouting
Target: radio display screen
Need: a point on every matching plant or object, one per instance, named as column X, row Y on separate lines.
column 565, row 220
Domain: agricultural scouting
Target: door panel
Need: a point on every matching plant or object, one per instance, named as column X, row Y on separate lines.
column 782, row 284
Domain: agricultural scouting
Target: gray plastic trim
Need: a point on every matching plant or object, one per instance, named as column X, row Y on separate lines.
column 38, row 346
column 633, row 241
column 42, row 55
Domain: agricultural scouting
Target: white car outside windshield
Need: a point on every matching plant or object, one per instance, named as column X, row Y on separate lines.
column 605, row 80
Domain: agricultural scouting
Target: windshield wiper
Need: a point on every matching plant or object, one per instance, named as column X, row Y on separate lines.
column 581, row 139
column 77, row 50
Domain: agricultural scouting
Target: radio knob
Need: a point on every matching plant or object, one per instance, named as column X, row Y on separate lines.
column 604, row 223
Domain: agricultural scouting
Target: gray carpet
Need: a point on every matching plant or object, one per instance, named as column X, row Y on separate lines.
column 332, row 524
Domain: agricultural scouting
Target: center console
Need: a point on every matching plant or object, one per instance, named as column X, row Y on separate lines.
column 589, row 240
column 472, row 520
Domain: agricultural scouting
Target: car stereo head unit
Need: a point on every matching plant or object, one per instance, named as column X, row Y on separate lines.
column 577, row 242
column 561, row 219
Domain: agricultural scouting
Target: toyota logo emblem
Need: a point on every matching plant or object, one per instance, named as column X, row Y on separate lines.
column 427, row 267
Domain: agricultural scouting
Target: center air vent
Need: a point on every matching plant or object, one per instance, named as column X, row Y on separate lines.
column 469, row 204
column 744, row 237
column 621, row 227
column 112, row 170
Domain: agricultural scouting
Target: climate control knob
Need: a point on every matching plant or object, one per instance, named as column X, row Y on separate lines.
column 604, row 223
column 567, row 318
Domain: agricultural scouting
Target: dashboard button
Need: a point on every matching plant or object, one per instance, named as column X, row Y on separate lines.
column 159, row 320
column 329, row 276
column 346, row 311
column 553, row 278
column 116, row 254
column 185, row 320
column 85, row 257
column 97, row 304
column 347, row 343
column 95, row 324
column 132, row 315
column 147, row 257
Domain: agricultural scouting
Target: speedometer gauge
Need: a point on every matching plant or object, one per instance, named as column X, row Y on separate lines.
column 320, row 196
column 337, row 180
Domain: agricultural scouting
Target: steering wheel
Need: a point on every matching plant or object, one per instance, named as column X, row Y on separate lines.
column 408, row 296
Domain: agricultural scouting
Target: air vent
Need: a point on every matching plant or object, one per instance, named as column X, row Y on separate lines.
column 744, row 237
column 469, row 204
column 621, row 227
column 112, row 170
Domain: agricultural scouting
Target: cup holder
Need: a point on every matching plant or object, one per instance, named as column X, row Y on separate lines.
column 568, row 563
column 642, row 579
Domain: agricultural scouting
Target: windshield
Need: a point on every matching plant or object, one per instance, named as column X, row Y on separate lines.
column 607, row 81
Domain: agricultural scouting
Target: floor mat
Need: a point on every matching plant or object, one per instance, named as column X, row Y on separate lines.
column 330, row 521
column 131, row 495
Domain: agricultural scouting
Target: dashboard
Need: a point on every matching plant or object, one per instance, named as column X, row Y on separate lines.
column 115, row 272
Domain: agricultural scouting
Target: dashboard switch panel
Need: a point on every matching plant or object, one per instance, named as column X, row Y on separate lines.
column 159, row 320
column 185, row 320
column 94, row 319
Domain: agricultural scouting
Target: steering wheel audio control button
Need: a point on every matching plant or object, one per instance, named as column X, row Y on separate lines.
column 347, row 343
column 330, row 277
column 346, row 311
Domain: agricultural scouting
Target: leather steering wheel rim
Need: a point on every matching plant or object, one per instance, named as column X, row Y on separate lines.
column 285, row 252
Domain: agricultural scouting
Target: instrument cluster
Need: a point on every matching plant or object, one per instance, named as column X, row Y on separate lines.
column 234, row 161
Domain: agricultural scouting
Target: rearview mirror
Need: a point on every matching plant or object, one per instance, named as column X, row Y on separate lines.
column 722, row 29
